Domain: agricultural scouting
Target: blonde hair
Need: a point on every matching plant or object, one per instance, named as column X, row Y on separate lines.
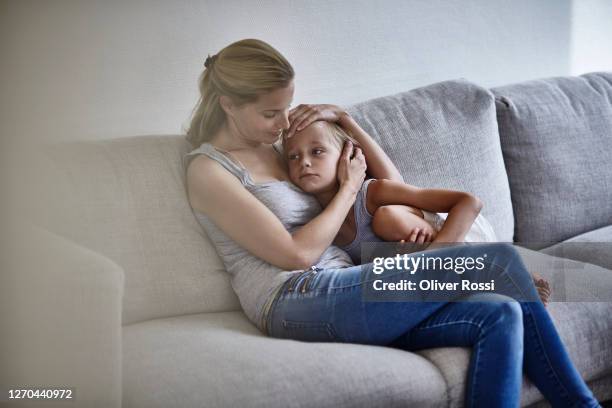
column 339, row 135
column 242, row 71
column 336, row 134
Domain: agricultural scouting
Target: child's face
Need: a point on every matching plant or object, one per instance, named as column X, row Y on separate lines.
column 312, row 159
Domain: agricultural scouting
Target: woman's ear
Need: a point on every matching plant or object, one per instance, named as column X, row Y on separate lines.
column 226, row 104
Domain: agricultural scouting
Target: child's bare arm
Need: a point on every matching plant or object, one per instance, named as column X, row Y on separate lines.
column 391, row 224
column 462, row 207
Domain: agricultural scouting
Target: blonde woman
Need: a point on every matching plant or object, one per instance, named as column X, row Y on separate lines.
column 276, row 243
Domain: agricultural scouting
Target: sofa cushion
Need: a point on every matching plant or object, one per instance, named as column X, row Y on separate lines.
column 594, row 247
column 556, row 137
column 221, row 360
column 125, row 198
column 444, row 136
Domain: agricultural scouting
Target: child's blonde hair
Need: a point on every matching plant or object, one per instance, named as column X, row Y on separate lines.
column 336, row 133
column 242, row 71
column 339, row 135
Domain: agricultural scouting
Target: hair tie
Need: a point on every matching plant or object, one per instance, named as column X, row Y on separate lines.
column 209, row 60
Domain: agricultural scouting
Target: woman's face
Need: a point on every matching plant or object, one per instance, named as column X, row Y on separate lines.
column 312, row 159
column 259, row 122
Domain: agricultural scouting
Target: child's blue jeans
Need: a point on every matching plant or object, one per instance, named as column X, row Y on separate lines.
column 507, row 336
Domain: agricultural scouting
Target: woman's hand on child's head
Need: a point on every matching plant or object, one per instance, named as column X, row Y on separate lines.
column 303, row 115
column 351, row 170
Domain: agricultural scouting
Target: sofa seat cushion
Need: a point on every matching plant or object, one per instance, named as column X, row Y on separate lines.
column 594, row 247
column 445, row 135
column 220, row 359
column 556, row 137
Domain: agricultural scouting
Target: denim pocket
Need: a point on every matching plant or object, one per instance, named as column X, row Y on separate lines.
column 302, row 281
column 309, row 331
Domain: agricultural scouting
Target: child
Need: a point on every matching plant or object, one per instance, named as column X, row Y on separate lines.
column 312, row 156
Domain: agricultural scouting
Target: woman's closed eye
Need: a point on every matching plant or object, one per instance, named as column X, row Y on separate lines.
column 271, row 115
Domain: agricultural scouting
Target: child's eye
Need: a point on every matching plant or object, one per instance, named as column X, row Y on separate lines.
column 317, row 151
column 292, row 157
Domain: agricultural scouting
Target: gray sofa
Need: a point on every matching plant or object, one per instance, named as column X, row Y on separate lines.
column 144, row 312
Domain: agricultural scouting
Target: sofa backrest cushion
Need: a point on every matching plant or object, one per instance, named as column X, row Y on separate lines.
column 444, row 136
column 125, row 198
column 556, row 137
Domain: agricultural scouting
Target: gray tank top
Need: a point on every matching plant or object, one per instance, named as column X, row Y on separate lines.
column 363, row 225
column 254, row 280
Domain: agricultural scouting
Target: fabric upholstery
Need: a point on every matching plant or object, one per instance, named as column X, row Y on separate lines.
column 444, row 136
column 61, row 318
column 126, row 199
column 221, row 360
column 594, row 247
column 556, row 137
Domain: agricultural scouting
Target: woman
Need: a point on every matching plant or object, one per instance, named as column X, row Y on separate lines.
column 275, row 241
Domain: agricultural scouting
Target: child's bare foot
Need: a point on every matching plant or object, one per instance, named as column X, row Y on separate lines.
column 543, row 288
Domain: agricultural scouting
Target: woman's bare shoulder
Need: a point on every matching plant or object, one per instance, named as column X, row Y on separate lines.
column 204, row 178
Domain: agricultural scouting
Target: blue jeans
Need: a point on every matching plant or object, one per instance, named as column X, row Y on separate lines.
column 507, row 336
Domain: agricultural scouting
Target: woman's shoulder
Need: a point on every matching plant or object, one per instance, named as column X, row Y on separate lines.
column 200, row 167
column 205, row 178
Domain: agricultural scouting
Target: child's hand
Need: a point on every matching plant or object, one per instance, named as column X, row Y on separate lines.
column 351, row 171
column 421, row 235
column 543, row 288
column 418, row 240
column 303, row 115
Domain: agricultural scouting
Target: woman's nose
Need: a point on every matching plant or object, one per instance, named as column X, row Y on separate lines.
column 284, row 121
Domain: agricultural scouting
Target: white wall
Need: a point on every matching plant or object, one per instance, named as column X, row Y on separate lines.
column 591, row 41
column 103, row 69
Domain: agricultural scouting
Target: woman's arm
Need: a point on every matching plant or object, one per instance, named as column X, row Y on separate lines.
column 462, row 207
column 379, row 164
column 218, row 194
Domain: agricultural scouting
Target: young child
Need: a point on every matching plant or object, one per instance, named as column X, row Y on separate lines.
column 312, row 156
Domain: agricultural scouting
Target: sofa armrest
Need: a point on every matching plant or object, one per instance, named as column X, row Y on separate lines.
column 61, row 310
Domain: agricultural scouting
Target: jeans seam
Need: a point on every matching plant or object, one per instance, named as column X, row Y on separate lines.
column 474, row 372
column 545, row 355
column 477, row 354
column 448, row 324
